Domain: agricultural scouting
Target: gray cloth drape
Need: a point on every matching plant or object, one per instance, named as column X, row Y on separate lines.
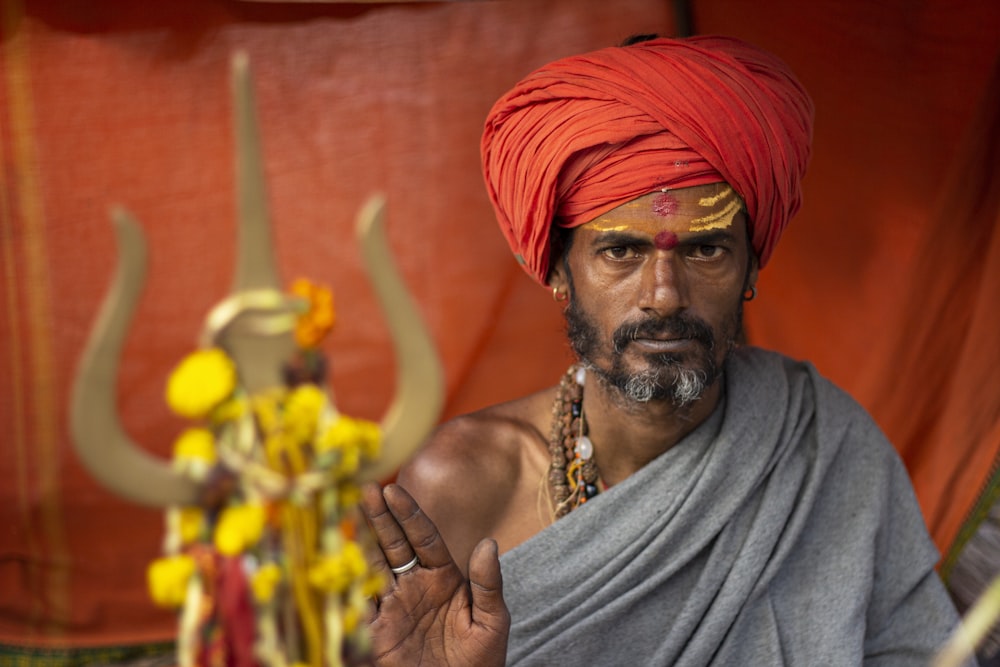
column 782, row 531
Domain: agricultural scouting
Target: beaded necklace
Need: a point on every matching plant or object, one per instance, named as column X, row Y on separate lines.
column 573, row 476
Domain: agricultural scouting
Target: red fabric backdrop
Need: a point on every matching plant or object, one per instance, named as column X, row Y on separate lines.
column 888, row 278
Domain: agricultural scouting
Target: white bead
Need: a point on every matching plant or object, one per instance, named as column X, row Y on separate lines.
column 584, row 447
column 581, row 375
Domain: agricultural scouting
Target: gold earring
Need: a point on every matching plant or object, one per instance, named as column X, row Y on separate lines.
column 558, row 295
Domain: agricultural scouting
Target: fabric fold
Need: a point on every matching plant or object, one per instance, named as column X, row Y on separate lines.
column 585, row 134
column 714, row 544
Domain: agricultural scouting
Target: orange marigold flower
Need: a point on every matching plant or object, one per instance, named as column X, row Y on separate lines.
column 320, row 315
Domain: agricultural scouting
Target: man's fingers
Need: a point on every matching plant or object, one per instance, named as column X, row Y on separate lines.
column 375, row 558
column 486, row 582
column 395, row 548
column 420, row 531
column 371, row 504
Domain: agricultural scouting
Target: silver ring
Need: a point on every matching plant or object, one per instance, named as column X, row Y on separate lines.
column 402, row 569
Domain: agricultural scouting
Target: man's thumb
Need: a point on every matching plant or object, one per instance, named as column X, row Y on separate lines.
column 486, row 582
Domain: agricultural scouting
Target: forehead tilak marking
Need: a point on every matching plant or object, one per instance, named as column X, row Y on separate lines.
column 726, row 192
column 605, row 225
column 608, row 225
column 665, row 240
column 665, row 204
column 722, row 218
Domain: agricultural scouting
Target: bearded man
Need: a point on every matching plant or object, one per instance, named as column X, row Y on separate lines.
column 678, row 498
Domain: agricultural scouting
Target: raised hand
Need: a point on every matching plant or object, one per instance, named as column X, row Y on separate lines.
column 430, row 614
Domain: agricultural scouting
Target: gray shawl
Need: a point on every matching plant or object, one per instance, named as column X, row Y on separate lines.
column 782, row 531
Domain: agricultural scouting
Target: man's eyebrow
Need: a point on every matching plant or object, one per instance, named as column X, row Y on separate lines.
column 710, row 237
column 620, row 237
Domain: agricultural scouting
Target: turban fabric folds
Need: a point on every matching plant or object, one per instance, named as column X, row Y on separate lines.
column 587, row 133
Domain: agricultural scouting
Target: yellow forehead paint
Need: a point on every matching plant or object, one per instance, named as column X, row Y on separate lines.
column 605, row 225
column 725, row 193
column 644, row 226
column 718, row 219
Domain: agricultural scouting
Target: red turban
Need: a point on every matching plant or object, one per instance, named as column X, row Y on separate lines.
column 585, row 134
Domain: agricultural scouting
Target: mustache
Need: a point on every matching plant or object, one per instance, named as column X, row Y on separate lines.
column 674, row 326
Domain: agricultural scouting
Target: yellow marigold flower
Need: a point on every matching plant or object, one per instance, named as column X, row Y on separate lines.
column 230, row 411
column 195, row 444
column 191, row 524
column 302, row 411
column 320, row 315
column 371, row 439
column 336, row 436
column 194, row 453
column 333, row 574
column 349, row 462
column 202, row 381
column 168, row 579
column 265, row 581
column 351, row 439
column 239, row 528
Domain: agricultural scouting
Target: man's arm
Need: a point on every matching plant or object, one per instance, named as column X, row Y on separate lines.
column 478, row 477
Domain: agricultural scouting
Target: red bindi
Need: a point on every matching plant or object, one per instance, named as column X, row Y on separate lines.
column 664, row 204
column 665, row 240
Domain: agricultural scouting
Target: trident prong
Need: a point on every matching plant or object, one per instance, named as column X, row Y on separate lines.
column 419, row 383
column 101, row 442
column 254, row 326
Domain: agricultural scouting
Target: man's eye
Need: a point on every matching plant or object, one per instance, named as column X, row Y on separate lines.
column 618, row 252
column 707, row 251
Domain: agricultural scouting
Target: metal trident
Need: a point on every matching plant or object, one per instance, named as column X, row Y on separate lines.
column 253, row 326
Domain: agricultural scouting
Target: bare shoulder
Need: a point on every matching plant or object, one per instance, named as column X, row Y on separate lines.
column 479, row 474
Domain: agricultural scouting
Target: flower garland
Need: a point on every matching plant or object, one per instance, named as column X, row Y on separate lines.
column 268, row 569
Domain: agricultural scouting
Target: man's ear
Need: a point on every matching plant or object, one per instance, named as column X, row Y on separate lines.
column 754, row 267
column 557, row 279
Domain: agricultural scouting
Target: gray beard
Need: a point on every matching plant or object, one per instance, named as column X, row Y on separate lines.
column 668, row 378
column 687, row 387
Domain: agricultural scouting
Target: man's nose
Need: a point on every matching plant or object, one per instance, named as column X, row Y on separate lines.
column 664, row 289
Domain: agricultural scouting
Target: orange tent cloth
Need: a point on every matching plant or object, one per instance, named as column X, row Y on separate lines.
column 887, row 278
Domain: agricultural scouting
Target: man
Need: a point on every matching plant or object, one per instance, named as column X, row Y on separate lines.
column 678, row 499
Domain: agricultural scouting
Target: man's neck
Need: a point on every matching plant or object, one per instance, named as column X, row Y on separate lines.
column 627, row 435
